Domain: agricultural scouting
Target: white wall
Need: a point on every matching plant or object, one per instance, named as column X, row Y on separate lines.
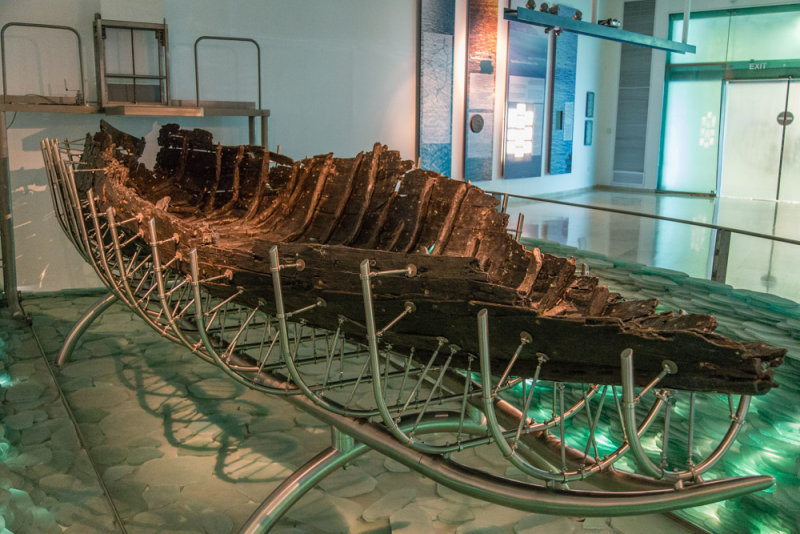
column 598, row 71
column 337, row 76
column 655, row 105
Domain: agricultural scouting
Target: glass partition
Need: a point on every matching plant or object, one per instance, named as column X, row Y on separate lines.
column 621, row 239
column 764, row 35
column 708, row 33
column 691, row 136
column 735, row 44
column 751, row 152
column 790, row 166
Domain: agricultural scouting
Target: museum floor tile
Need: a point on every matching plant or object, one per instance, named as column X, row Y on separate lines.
column 180, row 448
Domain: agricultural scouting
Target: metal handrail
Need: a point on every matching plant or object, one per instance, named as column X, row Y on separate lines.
column 221, row 38
column 722, row 238
column 36, row 25
column 646, row 216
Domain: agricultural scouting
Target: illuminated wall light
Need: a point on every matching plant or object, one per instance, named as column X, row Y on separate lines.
column 519, row 131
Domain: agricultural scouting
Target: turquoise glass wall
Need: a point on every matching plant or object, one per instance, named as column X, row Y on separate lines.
column 731, row 45
column 690, row 142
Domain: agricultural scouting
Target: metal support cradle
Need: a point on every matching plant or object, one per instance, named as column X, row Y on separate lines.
column 424, row 413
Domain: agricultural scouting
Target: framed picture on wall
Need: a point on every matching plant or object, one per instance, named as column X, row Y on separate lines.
column 589, row 104
column 587, row 133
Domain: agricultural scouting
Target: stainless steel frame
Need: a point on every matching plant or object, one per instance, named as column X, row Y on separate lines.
column 419, row 413
column 162, row 36
column 82, row 79
column 258, row 71
column 220, row 38
column 167, row 108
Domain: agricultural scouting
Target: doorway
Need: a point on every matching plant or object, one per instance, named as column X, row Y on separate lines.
column 761, row 140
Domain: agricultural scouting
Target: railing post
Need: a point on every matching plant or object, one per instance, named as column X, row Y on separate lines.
column 687, row 9
column 7, row 229
column 722, row 248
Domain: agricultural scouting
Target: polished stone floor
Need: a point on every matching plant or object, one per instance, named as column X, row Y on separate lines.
column 181, row 449
column 755, row 263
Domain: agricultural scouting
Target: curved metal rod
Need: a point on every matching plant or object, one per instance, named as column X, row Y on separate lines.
column 75, row 207
column 123, row 275
column 281, row 315
column 296, row 486
column 55, row 197
column 37, row 25
column 510, row 452
column 327, row 462
column 162, row 295
column 69, row 196
column 377, row 388
column 727, row 440
column 61, row 168
column 114, row 284
column 220, row 38
column 123, row 278
column 82, row 218
column 99, row 250
column 101, row 270
column 83, row 323
column 488, row 408
column 283, row 389
column 548, row 450
column 534, row 497
column 283, row 341
column 639, row 454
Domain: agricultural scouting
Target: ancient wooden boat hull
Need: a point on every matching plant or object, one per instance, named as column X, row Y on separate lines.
column 233, row 204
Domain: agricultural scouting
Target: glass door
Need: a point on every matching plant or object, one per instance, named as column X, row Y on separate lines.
column 790, row 165
column 760, row 140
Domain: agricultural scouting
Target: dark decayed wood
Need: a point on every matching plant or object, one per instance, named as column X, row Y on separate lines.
column 233, row 203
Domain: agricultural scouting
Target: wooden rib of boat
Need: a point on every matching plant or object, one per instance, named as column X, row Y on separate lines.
column 233, row 203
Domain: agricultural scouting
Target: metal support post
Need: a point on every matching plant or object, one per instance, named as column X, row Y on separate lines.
column 722, row 248
column 629, row 419
column 518, row 230
column 687, row 8
column 7, row 229
column 84, row 323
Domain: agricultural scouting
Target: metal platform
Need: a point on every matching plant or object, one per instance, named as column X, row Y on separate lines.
column 582, row 449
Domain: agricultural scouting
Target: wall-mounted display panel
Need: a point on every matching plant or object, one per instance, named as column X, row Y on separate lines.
column 525, row 99
column 482, row 16
column 563, row 97
column 435, row 97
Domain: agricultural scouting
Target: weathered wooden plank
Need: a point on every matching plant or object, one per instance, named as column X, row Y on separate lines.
column 406, row 212
column 390, row 170
column 577, row 323
column 364, row 184
column 335, row 196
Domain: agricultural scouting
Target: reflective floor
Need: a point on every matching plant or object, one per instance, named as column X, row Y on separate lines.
column 172, row 445
column 754, row 263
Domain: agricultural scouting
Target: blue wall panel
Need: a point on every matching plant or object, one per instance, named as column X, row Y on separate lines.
column 563, row 103
column 435, row 106
column 480, row 89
